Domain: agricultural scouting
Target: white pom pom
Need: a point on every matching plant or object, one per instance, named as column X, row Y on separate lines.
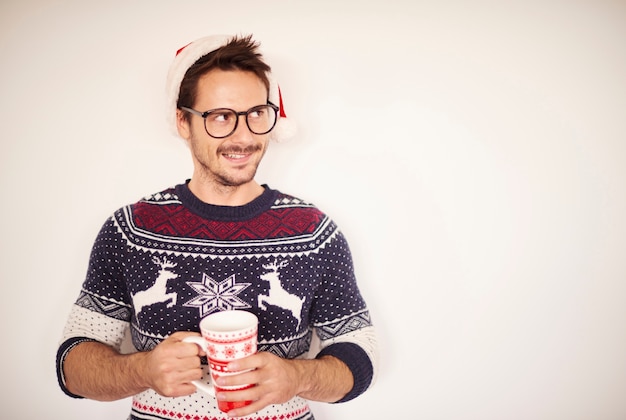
column 285, row 129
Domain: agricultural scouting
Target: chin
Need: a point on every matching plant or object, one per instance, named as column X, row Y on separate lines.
column 236, row 181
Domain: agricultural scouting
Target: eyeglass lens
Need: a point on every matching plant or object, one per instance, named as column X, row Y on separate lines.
column 223, row 122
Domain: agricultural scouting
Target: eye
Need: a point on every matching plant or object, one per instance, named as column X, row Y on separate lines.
column 258, row 112
column 219, row 116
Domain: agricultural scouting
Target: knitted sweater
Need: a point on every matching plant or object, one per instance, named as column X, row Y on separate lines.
column 162, row 264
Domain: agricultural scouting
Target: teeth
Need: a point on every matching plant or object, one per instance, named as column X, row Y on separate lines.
column 234, row 156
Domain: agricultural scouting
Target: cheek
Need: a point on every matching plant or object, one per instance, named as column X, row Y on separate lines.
column 202, row 148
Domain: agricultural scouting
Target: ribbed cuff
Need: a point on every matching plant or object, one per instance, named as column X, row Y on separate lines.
column 64, row 349
column 357, row 361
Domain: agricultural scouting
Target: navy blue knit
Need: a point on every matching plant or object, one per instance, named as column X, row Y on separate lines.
column 162, row 264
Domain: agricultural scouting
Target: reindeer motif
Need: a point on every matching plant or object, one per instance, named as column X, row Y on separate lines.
column 278, row 296
column 158, row 291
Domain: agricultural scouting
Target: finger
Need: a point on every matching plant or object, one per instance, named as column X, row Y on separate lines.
column 248, row 409
column 254, row 361
column 192, row 347
column 183, row 390
column 239, row 396
column 175, row 388
column 193, row 374
column 189, row 363
column 238, row 379
column 189, row 349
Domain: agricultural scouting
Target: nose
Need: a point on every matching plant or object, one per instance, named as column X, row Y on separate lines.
column 242, row 132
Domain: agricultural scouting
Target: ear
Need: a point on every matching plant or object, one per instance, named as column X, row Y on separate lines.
column 182, row 125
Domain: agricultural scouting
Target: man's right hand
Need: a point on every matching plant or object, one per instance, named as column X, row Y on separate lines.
column 97, row 371
column 172, row 365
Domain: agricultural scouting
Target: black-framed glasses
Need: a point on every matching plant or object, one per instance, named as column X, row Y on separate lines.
column 222, row 122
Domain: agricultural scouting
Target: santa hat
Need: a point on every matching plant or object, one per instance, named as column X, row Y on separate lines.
column 189, row 54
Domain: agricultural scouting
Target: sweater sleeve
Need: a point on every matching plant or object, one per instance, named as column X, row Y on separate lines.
column 342, row 319
column 357, row 361
column 102, row 309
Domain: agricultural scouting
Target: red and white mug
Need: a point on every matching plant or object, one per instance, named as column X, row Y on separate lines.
column 226, row 336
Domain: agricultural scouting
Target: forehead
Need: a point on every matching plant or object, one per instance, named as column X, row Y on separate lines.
column 235, row 89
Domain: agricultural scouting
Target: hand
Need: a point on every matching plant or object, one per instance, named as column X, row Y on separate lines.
column 277, row 381
column 172, row 365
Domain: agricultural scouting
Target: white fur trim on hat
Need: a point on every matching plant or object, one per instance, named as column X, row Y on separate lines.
column 188, row 55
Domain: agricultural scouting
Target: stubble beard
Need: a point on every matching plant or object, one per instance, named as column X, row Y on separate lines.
column 221, row 177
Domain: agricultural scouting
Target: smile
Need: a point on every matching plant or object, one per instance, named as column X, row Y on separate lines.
column 239, row 153
column 235, row 155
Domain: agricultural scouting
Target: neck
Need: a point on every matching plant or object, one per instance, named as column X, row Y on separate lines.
column 225, row 195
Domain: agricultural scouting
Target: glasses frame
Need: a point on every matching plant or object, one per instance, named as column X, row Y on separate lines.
column 205, row 114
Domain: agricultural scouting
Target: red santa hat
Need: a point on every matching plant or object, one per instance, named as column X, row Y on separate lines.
column 189, row 54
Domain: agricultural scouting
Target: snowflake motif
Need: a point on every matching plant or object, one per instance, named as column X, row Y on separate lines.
column 230, row 352
column 212, row 351
column 214, row 296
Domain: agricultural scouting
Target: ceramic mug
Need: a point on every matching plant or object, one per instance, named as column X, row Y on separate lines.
column 226, row 336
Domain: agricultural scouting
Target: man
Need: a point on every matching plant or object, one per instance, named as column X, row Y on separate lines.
column 220, row 241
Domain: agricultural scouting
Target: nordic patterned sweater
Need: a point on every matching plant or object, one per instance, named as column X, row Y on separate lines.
column 162, row 264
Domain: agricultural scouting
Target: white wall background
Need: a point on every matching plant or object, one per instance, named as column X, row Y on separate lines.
column 473, row 152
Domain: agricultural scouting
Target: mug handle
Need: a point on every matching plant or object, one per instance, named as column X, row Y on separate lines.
column 207, row 388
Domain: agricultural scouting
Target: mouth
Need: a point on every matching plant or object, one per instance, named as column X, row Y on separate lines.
column 235, row 156
column 238, row 155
